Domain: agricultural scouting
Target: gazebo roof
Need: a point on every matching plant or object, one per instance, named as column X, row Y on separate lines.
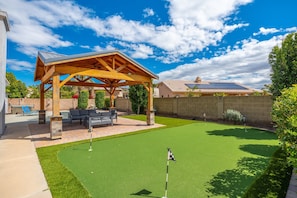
column 106, row 66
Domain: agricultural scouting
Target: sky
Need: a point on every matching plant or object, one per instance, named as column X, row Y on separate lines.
column 217, row 40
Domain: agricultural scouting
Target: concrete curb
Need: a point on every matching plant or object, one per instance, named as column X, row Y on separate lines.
column 292, row 189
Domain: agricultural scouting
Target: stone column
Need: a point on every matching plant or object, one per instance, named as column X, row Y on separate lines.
column 150, row 113
column 56, row 127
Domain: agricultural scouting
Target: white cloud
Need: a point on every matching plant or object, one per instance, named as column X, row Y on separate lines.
column 147, row 12
column 140, row 51
column 266, row 31
column 247, row 65
column 292, row 29
column 98, row 48
column 20, row 65
column 195, row 25
column 30, row 25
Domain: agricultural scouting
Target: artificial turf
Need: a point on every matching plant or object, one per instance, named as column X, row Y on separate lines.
column 213, row 160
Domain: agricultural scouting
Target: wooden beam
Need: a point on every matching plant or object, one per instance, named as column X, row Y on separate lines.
column 56, row 95
column 48, row 74
column 121, row 68
column 146, row 87
column 66, row 80
column 113, row 62
column 103, row 63
column 102, row 74
column 85, row 84
column 48, row 88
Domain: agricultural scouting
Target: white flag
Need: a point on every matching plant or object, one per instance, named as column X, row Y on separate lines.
column 170, row 155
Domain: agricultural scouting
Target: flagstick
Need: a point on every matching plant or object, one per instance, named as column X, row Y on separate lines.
column 91, row 139
column 167, row 169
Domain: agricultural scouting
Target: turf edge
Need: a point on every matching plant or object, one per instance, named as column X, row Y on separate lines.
column 275, row 179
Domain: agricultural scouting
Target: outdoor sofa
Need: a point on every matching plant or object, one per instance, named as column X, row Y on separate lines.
column 101, row 118
column 92, row 117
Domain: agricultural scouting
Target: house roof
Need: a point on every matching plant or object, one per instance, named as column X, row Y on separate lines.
column 207, row 87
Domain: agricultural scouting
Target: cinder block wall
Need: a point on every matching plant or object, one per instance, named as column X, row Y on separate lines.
column 123, row 104
column 257, row 109
column 65, row 104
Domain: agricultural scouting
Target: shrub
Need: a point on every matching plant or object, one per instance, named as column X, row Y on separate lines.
column 107, row 103
column 284, row 114
column 99, row 99
column 83, row 100
column 233, row 115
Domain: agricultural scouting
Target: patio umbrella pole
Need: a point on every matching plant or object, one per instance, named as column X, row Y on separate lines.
column 91, row 138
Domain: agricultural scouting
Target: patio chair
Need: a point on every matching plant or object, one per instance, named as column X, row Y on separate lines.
column 27, row 111
column 75, row 115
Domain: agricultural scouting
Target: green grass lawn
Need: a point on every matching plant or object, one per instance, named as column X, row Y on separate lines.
column 213, row 160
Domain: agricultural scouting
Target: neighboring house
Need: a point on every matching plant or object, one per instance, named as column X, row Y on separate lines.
column 183, row 88
column 4, row 28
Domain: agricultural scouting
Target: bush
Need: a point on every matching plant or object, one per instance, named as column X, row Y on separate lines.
column 233, row 115
column 99, row 99
column 83, row 100
column 284, row 114
column 107, row 103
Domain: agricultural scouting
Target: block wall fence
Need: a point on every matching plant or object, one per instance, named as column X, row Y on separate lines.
column 257, row 109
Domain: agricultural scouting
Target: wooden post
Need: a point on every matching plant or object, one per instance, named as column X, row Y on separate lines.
column 56, row 95
column 42, row 113
column 150, row 113
column 42, row 96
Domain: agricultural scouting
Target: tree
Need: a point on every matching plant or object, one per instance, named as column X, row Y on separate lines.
column 99, row 99
column 65, row 92
column 15, row 88
column 138, row 96
column 284, row 114
column 83, row 99
column 283, row 61
column 193, row 92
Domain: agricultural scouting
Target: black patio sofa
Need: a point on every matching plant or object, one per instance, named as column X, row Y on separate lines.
column 101, row 118
column 92, row 118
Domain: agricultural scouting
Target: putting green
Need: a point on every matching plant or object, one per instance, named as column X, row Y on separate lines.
column 212, row 160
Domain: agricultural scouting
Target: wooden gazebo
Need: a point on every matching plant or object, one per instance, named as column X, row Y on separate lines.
column 108, row 69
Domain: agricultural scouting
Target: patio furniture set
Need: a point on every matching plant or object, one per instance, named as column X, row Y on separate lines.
column 92, row 117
